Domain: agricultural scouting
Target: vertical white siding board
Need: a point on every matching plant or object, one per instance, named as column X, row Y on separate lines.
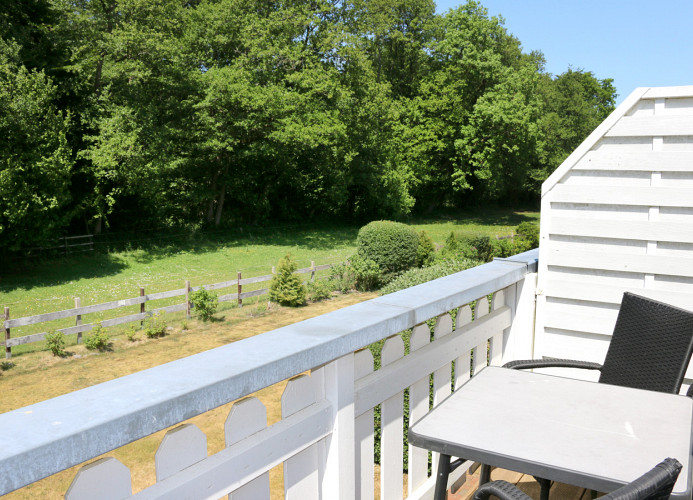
column 480, row 351
column 392, row 422
column 463, row 363
column 181, row 447
column 105, row 479
column 418, row 407
column 301, row 477
column 338, row 475
column 247, row 417
column 364, row 437
column 519, row 342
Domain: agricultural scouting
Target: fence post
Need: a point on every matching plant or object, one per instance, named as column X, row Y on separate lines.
column 240, row 290
column 187, row 299
column 78, row 319
column 8, row 349
column 312, row 270
column 142, row 305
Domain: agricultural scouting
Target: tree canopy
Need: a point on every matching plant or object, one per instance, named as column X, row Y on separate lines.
column 124, row 113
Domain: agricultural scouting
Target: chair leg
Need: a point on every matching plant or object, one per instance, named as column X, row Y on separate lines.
column 545, row 488
column 442, row 478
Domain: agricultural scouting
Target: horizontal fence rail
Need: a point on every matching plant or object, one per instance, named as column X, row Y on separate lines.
column 77, row 312
column 326, row 439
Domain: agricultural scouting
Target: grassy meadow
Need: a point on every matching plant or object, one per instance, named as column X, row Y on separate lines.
column 100, row 277
column 161, row 264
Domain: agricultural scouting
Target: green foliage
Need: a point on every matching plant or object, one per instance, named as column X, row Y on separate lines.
column 392, row 246
column 482, row 248
column 6, row 365
column 97, row 339
column 452, row 247
column 366, row 273
column 154, row 327
column 417, row 276
column 55, row 341
column 425, row 253
column 286, row 287
column 205, row 303
column 131, row 334
column 530, row 232
column 320, row 290
column 358, row 110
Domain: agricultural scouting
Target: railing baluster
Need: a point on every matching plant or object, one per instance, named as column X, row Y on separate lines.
column 181, row 447
column 105, row 479
column 365, row 470
column 463, row 363
column 301, row 476
column 392, row 422
column 481, row 351
column 418, row 407
column 496, row 347
column 247, row 417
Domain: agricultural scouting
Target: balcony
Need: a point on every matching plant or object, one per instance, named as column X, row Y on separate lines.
column 325, row 439
column 616, row 216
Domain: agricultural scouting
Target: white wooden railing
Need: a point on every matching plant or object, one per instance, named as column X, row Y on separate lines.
column 325, row 439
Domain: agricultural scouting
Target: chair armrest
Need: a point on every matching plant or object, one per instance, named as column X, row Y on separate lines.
column 523, row 364
column 656, row 483
column 501, row 489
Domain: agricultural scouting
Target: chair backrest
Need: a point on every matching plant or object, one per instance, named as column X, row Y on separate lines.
column 651, row 346
column 655, row 484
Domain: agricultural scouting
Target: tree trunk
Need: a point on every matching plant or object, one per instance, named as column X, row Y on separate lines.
column 220, row 206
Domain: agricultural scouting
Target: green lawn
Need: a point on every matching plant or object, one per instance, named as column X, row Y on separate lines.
column 203, row 259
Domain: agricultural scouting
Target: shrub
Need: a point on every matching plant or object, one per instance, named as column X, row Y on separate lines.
column 451, row 249
column 320, row 290
column 366, row 273
column 131, row 334
column 205, row 303
column 154, row 327
column 97, row 339
column 6, row 365
column 426, row 250
column 482, row 248
column 56, row 343
column 286, row 287
column 530, row 232
column 391, row 245
column 342, row 277
column 417, row 276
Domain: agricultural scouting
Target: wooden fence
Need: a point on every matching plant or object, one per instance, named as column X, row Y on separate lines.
column 142, row 299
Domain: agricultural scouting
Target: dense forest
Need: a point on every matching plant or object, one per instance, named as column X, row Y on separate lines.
column 163, row 113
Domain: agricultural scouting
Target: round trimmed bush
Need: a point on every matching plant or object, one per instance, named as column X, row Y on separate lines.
column 391, row 245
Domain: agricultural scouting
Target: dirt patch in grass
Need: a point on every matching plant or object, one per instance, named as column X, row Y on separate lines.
column 39, row 376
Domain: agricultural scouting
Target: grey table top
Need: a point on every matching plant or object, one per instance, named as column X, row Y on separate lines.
column 592, row 435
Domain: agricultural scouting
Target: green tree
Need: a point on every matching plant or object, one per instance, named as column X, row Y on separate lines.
column 286, row 287
column 35, row 158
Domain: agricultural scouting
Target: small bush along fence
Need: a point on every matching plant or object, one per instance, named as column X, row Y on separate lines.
column 78, row 311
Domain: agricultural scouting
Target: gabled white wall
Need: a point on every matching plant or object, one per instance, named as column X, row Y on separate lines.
column 617, row 216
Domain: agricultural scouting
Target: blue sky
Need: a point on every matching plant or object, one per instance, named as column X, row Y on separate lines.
column 637, row 43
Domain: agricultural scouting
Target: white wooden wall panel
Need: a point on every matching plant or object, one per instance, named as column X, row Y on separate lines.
column 617, row 216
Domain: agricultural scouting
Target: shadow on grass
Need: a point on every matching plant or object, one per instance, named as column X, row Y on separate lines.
column 56, row 271
column 485, row 217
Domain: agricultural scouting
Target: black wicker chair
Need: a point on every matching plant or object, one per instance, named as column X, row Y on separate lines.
column 650, row 349
column 655, row 484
